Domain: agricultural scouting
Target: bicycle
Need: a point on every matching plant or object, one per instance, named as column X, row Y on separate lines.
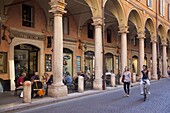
column 145, row 89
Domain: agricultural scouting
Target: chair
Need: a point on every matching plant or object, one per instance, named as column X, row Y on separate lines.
column 37, row 87
column 17, row 88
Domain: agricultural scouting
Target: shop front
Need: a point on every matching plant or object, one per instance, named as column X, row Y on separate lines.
column 26, row 60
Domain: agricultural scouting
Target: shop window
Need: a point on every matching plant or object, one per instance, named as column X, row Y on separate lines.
column 67, row 61
column 66, row 25
column 149, row 3
column 90, row 29
column 3, row 62
column 89, row 61
column 109, row 62
column 48, row 62
column 27, row 16
column 162, row 7
column 109, row 36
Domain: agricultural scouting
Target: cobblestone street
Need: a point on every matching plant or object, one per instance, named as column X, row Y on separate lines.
column 114, row 102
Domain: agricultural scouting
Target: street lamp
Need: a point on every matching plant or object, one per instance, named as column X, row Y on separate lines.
column 104, row 85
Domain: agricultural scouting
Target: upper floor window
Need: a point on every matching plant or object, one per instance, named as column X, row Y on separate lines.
column 90, row 31
column 134, row 40
column 27, row 16
column 145, row 43
column 109, row 35
column 169, row 12
column 162, row 7
column 66, row 25
column 149, row 3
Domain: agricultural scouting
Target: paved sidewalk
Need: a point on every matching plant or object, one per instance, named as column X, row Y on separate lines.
column 9, row 102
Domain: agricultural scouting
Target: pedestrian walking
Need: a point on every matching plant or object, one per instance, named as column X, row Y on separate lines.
column 168, row 71
column 126, row 81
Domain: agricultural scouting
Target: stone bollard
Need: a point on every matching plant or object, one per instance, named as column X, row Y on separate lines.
column 80, row 84
column 134, row 77
column 27, row 92
column 112, row 80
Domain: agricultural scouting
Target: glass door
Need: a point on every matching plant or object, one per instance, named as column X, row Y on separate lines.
column 21, row 62
column 26, row 60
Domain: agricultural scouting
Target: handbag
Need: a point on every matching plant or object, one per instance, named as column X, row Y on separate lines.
column 123, row 78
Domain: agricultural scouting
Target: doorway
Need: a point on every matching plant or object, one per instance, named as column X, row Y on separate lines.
column 26, row 59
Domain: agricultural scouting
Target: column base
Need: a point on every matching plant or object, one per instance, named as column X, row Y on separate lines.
column 164, row 76
column 57, row 91
column 97, row 84
column 154, row 78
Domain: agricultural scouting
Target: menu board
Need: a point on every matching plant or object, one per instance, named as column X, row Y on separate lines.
column 78, row 58
column 48, row 62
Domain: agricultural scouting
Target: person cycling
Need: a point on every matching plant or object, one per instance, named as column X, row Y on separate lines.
column 145, row 77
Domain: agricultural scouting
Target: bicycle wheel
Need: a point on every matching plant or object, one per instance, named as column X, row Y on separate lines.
column 144, row 93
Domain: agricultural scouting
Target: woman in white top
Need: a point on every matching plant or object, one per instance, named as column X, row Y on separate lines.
column 126, row 81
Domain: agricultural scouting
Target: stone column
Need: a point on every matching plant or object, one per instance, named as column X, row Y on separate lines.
column 164, row 44
column 57, row 89
column 141, row 37
column 154, row 60
column 97, row 84
column 123, row 31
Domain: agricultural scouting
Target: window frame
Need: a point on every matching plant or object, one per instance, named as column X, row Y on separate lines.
column 65, row 25
column 109, row 36
column 169, row 12
column 31, row 16
column 90, row 30
column 150, row 3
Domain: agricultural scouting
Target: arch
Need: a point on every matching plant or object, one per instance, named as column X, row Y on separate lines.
column 108, row 54
column 114, row 7
column 150, row 25
column 161, row 32
column 89, row 53
column 136, row 19
column 18, row 41
column 135, row 64
column 168, row 35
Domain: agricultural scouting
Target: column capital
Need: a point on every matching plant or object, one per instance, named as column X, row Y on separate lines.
column 141, row 35
column 97, row 21
column 57, row 7
column 164, row 43
column 123, row 29
column 153, row 40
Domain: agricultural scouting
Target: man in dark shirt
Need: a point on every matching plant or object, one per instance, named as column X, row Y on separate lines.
column 145, row 77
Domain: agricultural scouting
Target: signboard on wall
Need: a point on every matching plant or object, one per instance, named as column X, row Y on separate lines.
column 78, row 61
